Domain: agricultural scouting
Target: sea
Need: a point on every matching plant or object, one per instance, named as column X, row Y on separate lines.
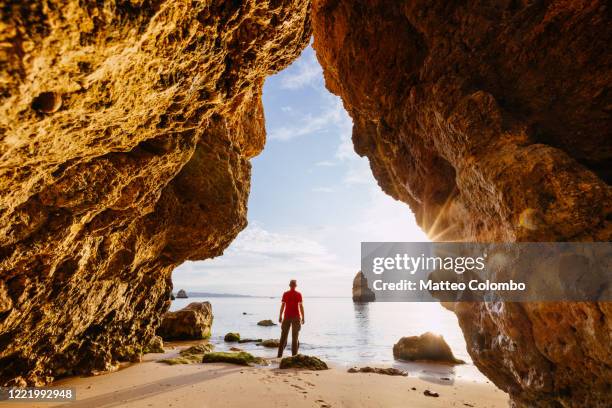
column 343, row 333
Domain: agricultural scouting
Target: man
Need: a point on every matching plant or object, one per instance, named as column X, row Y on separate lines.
column 293, row 309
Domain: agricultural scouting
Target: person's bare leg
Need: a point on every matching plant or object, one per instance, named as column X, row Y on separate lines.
column 284, row 334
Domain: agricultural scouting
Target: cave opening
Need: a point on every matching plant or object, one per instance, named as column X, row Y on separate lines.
column 312, row 202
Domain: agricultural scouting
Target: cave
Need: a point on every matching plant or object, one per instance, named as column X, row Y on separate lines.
column 126, row 131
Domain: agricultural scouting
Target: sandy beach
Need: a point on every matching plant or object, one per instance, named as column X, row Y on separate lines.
column 153, row 384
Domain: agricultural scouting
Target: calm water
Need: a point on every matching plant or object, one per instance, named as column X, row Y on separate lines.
column 343, row 333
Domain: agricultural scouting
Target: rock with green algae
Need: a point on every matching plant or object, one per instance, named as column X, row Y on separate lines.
column 239, row 358
column 303, row 361
column 377, row 370
column 232, row 337
column 190, row 355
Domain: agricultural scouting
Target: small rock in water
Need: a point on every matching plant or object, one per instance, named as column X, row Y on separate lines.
column 250, row 340
column 272, row 343
column 266, row 323
column 232, row 337
column 428, row 393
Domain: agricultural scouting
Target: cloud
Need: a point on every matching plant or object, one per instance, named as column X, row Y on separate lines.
column 306, row 71
column 358, row 172
column 305, row 124
column 259, row 262
column 258, row 241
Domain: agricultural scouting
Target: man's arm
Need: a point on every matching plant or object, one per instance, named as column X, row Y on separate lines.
column 302, row 312
column 280, row 315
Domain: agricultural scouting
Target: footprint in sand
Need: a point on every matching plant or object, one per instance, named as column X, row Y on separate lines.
column 323, row 404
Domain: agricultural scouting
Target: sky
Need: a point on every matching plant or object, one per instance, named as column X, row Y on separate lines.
column 313, row 200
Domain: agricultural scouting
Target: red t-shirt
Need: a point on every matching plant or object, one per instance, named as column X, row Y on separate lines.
column 291, row 298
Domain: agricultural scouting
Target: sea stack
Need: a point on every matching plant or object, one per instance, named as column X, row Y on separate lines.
column 361, row 292
column 181, row 294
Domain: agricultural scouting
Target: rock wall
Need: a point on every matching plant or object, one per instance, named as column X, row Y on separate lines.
column 491, row 119
column 126, row 129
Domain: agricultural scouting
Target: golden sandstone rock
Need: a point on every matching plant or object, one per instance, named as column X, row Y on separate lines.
column 492, row 121
column 126, row 129
column 192, row 322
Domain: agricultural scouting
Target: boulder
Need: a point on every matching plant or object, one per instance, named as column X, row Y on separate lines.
column 156, row 345
column 193, row 322
column 304, row 362
column 271, row 343
column 232, row 337
column 239, row 358
column 361, row 292
column 181, row 294
column 266, row 323
column 426, row 347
